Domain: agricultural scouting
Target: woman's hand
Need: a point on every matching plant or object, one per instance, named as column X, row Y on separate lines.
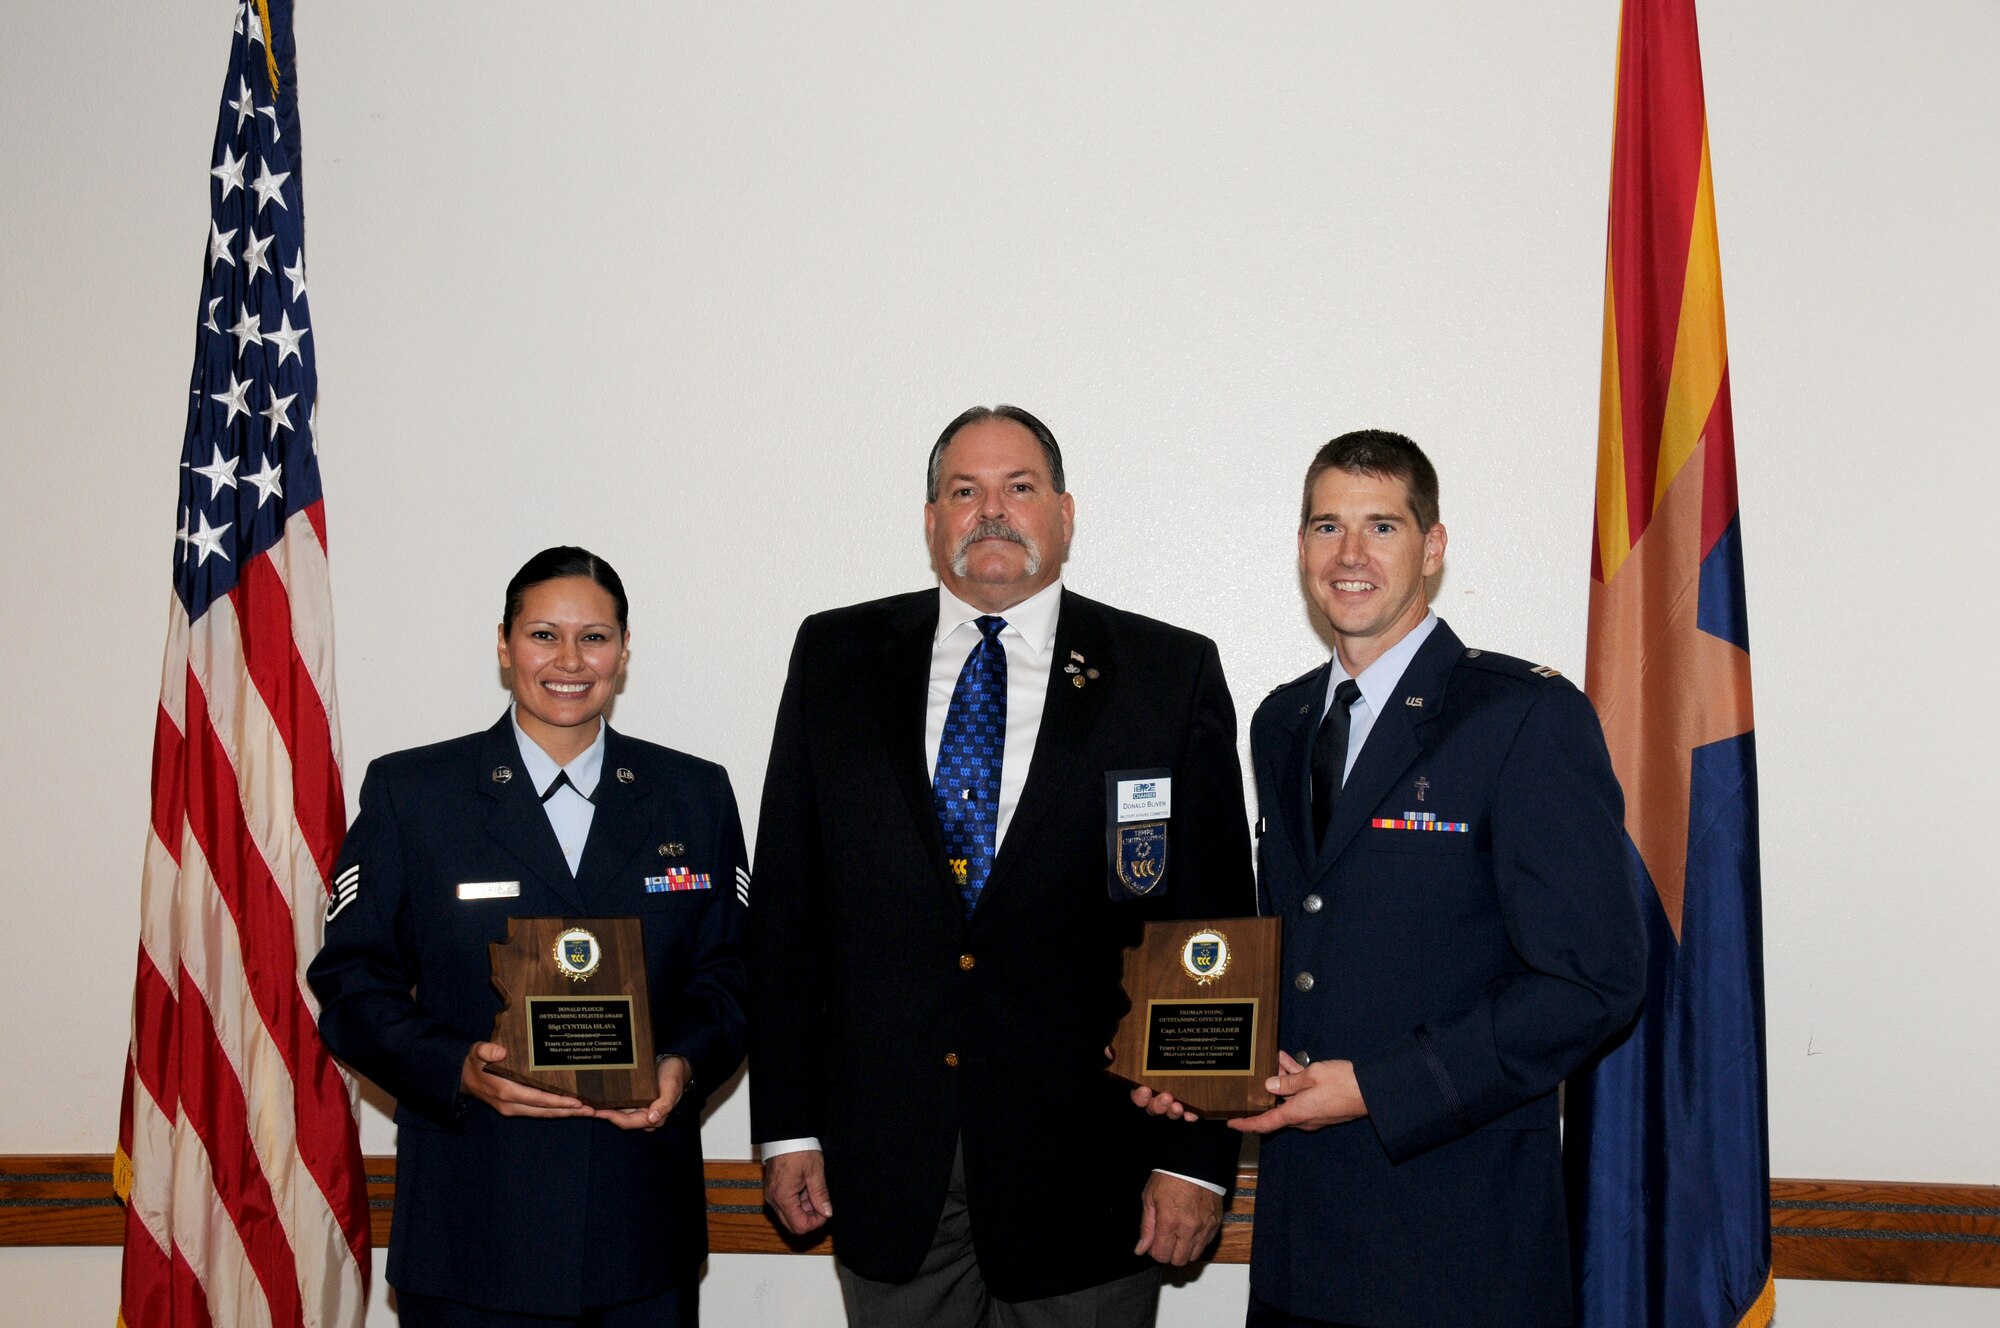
column 674, row 1073
column 504, row 1095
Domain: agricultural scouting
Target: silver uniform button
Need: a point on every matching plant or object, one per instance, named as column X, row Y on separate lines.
column 1304, row 1058
column 1304, row 982
column 1313, row 903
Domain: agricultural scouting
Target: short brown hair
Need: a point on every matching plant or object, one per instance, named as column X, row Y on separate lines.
column 1378, row 452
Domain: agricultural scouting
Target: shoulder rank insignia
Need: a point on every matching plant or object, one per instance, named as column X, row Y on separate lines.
column 1544, row 671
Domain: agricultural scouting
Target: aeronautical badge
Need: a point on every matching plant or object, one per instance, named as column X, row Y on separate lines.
column 1205, row 955
column 578, row 954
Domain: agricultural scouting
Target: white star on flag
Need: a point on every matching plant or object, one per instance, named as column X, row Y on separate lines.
column 243, row 106
column 233, row 399
column 230, row 172
column 270, row 188
column 297, row 276
column 254, row 260
column 279, row 414
column 246, row 332
column 265, row 481
column 220, row 473
column 218, row 245
column 208, row 539
column 287, row 337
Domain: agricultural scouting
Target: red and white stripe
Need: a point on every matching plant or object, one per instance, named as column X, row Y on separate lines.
column 238, row 1152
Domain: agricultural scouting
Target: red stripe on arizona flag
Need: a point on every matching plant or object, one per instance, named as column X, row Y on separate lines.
column 1655, row 165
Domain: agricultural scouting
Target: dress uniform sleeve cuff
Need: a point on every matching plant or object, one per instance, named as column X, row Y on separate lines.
column 1411, row 1099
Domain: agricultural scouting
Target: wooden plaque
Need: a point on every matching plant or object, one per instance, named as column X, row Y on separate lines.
column 574, row 1014
column 1204, row 1018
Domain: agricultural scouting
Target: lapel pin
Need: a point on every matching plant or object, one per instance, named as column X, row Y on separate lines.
column 1414, row 702
column 1075, row 656
column 1090, row 674
column 1305, row 710
column 672, row 850
column 1071, row 668
column 624, row 775
column 501, row 774
column 1422, row 786
column 1078, row 681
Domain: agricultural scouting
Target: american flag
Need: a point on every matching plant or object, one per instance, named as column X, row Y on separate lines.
column 238, row 1158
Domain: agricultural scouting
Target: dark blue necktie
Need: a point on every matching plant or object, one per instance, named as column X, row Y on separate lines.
column 967, row 784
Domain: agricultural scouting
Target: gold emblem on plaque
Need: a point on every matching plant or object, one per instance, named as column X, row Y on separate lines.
column 1205, row 955
column 578, row 954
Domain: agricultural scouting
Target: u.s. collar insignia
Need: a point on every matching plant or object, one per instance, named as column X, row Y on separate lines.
column 1414, row 702
column 624, row 775
column 578, row 954
column 1205, row 955
column 501, row 774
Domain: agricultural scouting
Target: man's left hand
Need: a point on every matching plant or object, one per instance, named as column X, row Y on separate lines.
column 1177, row 1219
column 674, row 1072
column 1323, row 1093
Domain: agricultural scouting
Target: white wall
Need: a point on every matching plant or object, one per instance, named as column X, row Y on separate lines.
column 696, row 284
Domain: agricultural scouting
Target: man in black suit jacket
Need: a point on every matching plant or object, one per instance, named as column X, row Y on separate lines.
column 1442, row 834
column 928, row 1058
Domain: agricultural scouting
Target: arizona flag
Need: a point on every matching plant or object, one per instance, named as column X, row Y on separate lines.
column 1668, row 1145
column 237, row 1156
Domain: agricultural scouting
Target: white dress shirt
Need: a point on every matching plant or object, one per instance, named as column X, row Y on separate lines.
column 570, row 811
column 1029, row 639
column 1378, row 687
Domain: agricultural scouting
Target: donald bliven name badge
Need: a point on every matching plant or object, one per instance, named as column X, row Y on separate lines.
column 1138, row 805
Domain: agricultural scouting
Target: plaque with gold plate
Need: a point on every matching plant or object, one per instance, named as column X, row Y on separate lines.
column 1204, row 1018
column 574, row 1016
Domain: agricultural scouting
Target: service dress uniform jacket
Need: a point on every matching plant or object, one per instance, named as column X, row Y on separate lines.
column 1467, row 934
column 890, row 1027
column 532, row 1216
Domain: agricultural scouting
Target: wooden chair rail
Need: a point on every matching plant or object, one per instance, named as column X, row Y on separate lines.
column 1824, row 1230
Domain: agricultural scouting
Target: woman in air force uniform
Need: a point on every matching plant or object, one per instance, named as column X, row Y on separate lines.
column 516, row 1207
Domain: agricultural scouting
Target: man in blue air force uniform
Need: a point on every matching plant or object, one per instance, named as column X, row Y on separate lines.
column 1441, row 832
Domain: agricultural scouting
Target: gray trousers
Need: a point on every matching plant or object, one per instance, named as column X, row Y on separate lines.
column 948, row 1291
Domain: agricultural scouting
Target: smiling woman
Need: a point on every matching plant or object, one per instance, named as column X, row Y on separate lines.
column 563, row 645
column 514, row 1201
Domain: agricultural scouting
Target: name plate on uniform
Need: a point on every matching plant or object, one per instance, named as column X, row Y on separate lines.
column 1204, row 1018
column 574, row 1017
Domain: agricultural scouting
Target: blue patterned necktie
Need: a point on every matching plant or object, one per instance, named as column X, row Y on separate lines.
column 967, row 784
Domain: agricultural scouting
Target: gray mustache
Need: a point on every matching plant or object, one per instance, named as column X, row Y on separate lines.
column 994, row 530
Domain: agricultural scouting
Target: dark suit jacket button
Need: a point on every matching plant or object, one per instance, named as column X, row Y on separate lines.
column 951, row 1059
column 966, row 961
column 1313, row 903
column 1304, row 1058
column 1304, row 982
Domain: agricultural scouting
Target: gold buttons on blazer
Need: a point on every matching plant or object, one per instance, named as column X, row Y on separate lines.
column 965, row 963
column 951, row 1059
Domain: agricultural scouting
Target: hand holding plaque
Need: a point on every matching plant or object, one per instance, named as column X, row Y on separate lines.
column 575, row 1018
column 1204, row 1019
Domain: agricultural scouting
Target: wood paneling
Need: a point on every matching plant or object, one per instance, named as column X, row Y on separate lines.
column 1825, row 1230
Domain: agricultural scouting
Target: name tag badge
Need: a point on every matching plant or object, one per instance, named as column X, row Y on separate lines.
column 1146, row 798
column 489, row 889
column 1138, row 804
